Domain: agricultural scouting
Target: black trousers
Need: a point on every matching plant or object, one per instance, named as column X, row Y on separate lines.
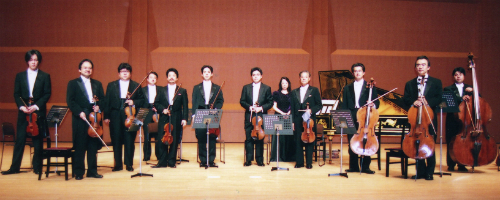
column 121, row 137
column 168, row 153
column 147, row 137
column 250, row 143
column 354, row 159
column 299, row 153
column 201, row 135
column 83, row 143
column 453, row 125
column 21, row 136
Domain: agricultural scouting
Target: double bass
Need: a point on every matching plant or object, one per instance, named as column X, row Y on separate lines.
column 474, row 146
column 95, row 118
column 168, row 138
column 257, row 132
column 419, row 143
column 308, row 135
column 365, row 142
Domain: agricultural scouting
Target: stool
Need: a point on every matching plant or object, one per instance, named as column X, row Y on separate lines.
column 65, row 152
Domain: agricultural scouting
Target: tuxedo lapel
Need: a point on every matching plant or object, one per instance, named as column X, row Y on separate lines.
column 455, row 90
column 428, row 85
column 82, row 87
column 297, row 94
column 211, row 92
column 25, row 85
column 202, row 91
column 146, row 93
column 353, row 96
column 308, row 92
column 362, row 94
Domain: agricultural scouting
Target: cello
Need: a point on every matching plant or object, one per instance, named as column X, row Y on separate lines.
column 168, row 138
column 474, row 146
column 257, row 132
column 365, row 142
column 32, row 128
column 215, row 131
column 419, row 143
column 95, row 118
column 308, row 135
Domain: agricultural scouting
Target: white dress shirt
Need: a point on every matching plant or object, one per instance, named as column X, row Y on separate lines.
column 460, row 87
column 420, row 86
column 171, row 93
column 358, row 86
column 207, row 87
column 152, row 93
column 256, row 89
column 303, row 90
column 88, row 88
column 124, row 88
column 31, row 80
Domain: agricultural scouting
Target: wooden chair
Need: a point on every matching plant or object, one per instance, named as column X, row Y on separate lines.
column 397, row 152
column 9, row 136
column 320, row 145
column 48, row 153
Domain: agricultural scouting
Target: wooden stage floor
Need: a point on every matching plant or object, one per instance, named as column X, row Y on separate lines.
column 232, row 180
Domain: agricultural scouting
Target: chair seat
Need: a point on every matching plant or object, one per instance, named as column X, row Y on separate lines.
column 48, row 153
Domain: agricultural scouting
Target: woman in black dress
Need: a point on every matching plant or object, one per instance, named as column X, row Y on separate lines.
column 282, row 105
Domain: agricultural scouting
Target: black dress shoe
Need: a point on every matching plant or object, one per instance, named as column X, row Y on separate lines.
column 203, row 164
column 260, row 164
column 212, row 164
column 158, row 166
column 351, row 170
column 172, row 166
column 368, row 171
column 145, row 159
column 94, row 176
column 417, row 177
column 462, row 169
column 115, row 169
column 309, row 166
column 36, row 171
column 130, row 168
column 429, row 177
column 78, row 177
column 298, row 166
column 10, row 172
column 450, row 169
column 247, row 163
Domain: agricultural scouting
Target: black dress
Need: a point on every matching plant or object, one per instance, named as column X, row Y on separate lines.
column 287, row 143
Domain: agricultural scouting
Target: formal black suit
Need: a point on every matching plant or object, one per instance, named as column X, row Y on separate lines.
column 312, row 97
column 179, row 112
column 114, row 111
column 41, row 94
column 348, row 102
column 432, row 92
column 198, row 102
column 77, row 99
column 453, row 123
column 148, row 120
column 265, row 100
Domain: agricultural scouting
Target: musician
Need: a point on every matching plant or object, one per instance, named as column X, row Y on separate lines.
column 80, row 99
column 283, row 105
column 150, row 91
column 256, row 98
column 356, row 95
column 300, row 97
column 32, row 83
column 432, row 91
column 178, row 110
column 462, row 91
column 204, row 95
column 116, row 103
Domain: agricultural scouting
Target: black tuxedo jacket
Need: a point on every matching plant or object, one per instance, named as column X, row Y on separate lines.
column 312, row 97
column 145, row 91
column 179, row 109
column 265, row 100
column 77, row 97
column 453, row 88
column 349, row 98
column 432, row 92
column 113, row 97
column 199, row 97
column 41, row 90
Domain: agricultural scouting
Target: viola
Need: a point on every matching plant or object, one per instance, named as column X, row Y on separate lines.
column 96, row 119
column 474, row 146
column 365, row 142
column 308, row 135
column 419, row 143
column 168, row 127
column 130, row 113
column 215, row 131
column 32, row 128
column 257, row 132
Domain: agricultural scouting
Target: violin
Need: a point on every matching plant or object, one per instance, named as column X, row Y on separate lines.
column 215, row 131
column 95, row 118
column 419, row 143
column 474, row 146
column 130, row 113
column 257, row 132
column 308, row 135
column 365, row 142
column 168, row 138
column 156, row 116
column 32, row 128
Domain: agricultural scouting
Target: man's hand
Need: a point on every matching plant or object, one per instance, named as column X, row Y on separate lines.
column 166, row 111
column 183, row 123
column 82, row 116
column 129, row 102
column 106, row 121
column 96, row 109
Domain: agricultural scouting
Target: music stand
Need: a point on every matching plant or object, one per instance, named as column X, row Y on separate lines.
column 343, row 120
column 276, row 125
column 447, row 105
column 207, row 118
column 138, row 122
column 54, row 119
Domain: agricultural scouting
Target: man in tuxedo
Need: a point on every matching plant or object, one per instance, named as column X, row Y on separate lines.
column 300, row 98
column 461, row 91
column 116, row 103
column 32, row 83
column 431, row 91
column 356, row 95
column 256, row 98
column 204, row 97
column 80, row 99
column 150, row 91
column 172, row 102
